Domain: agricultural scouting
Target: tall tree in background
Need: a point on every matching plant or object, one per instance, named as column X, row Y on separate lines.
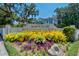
column 30, row 12
column 20, row 11
column 26, row 11
column 5, row 13
column 68, row 15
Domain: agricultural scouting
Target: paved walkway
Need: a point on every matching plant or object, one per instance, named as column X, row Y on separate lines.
column 3, row 51
column 78, row 53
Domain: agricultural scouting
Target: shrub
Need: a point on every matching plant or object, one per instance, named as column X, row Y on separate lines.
column 15, row 36
column 10, row 37
column 18, row 25
column 61, row 25
column 59, row 37
column 49, row 36
column 69, row 32
column 20, row 36
column 38, row 36
column 1, row 26
column 40, row 39
column 32, row 36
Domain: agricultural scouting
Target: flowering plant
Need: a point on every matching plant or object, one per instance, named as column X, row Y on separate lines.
column 38, row 36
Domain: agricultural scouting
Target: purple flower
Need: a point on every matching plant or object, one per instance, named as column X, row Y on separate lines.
column 18, row 43
column 29, row 46
column 25, row 47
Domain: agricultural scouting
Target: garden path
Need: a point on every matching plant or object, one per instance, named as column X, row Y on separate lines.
column 78, row 53
column 3, row 51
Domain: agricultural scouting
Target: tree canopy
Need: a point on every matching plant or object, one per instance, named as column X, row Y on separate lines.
column 17, row 11
column 68, row 15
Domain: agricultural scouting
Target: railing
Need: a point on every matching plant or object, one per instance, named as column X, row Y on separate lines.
column 30, row 27
column 10, row 29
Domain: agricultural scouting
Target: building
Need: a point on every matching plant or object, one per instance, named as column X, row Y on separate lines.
column 50, row 20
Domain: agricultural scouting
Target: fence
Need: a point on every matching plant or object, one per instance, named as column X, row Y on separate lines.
column 31, row 27
column 9, row 29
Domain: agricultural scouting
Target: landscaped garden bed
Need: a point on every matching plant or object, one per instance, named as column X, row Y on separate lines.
column 41, row 42
column 35, row 42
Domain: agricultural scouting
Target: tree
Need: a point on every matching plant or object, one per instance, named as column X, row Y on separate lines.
column 68, row 15
column 30, row 11
column 17, row 11
column 26, row 11
column 6, row 13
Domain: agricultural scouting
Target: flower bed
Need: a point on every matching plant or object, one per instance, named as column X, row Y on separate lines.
column 35, row 42
column 37, row 36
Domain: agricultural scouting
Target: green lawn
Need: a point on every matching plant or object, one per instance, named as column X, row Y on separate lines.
column 11, row 50
column 73, row 49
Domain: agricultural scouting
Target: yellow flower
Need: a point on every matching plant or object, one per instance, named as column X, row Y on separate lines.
column 55, row 35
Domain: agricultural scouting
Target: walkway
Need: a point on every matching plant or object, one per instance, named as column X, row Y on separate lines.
column 78, row 53
column 3, row 51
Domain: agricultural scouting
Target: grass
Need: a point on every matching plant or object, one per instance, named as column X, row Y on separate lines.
column 73, row 49
column 11, row 50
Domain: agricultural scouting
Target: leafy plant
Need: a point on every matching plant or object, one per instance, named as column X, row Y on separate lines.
column 38, row 36
column 58, row 37
column 69, row 32
column 49, row 37
column 10, row 37
column 40, row 39
column 18, row 25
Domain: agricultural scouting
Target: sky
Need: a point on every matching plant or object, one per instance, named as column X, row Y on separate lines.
column 47, row 9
